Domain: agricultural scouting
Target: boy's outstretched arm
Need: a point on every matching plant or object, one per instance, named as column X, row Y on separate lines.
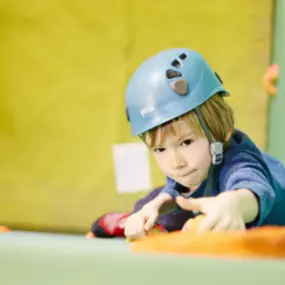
column 230, row 210
column 248, row 204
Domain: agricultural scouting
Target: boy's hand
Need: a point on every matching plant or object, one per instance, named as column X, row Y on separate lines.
column 138, row 224
column 141, row 222
column 222, row 212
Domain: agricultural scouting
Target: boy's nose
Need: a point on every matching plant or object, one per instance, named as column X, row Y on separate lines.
column 176, row 160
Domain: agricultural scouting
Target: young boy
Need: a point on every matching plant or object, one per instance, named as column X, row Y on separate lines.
column 176, row 104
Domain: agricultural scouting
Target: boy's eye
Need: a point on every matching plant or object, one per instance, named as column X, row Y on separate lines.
column 186, row 142
column 160, row 149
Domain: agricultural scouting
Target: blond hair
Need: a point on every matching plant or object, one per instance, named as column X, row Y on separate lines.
column 218, row 117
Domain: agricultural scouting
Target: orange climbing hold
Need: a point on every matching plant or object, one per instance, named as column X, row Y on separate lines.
column 4, row 229
column 270, row 79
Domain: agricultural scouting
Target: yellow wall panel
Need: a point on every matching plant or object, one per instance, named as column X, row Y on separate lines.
column 62, row 78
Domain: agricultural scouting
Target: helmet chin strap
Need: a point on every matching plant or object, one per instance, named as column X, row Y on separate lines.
column 216, row 149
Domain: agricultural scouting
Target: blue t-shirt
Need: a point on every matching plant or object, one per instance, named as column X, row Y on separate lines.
column 245, row 166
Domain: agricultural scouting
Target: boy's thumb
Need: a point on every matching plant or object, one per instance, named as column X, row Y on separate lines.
column 189, row 204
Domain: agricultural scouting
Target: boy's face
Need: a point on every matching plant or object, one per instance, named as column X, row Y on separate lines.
column 184, row 156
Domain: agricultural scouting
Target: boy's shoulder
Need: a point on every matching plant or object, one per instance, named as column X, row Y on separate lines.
column 244, row 154
column 241, row 147
column 241, row 156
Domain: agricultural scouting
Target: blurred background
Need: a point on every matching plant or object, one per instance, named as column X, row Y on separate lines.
column 64, row 67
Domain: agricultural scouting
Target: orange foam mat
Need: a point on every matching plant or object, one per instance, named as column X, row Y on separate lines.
column 264, row 242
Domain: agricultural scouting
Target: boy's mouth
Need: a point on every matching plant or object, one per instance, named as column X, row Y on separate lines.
column 185, row 174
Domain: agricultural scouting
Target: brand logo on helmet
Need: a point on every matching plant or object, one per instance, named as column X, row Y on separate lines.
column 149, row 109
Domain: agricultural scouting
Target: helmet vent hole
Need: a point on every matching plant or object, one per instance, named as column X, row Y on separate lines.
column 173, row 74
column 182, row 56
column 176, row 63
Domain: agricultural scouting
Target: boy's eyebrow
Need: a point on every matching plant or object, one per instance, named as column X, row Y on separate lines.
column 185, row 136
column 180, row 138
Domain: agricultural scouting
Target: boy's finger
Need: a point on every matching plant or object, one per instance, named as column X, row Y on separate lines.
column 189, row 204
column 150, row 222
column 207, row 224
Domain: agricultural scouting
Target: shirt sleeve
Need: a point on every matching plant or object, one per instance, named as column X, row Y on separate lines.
column 252, row 173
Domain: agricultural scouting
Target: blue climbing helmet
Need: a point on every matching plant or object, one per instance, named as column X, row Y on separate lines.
column 168, row 85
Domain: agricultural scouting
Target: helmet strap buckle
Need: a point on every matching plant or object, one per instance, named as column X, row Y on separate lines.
column 216, row 152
